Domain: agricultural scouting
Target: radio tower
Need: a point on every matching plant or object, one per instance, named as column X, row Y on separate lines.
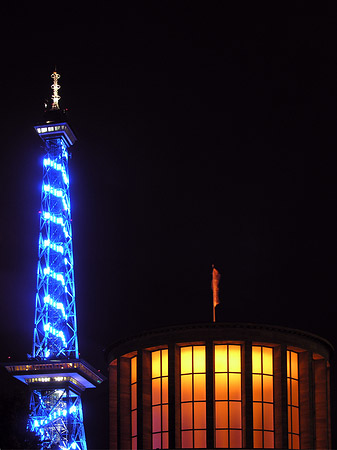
column 55, row 374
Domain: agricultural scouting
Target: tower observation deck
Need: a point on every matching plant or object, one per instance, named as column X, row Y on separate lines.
column 55, row 374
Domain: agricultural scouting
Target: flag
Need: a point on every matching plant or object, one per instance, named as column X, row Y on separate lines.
column 215, row 286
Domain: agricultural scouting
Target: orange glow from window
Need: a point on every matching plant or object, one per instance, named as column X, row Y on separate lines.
column 235, row 414
column 228, row 396
column 220, row 358
column 134, row 370
column 257, row 388
column 295, row 421
column 256, row 359
column 221, row 415
column 156, row 364
column 263, row 397
column 293, row 400
column 258, row 439
column 196, row 439
column 268, row 438
column 199, row 359
column 221, row 386
column 159, row 365
column 186, row 416
column 268, row 389
column 193, row 396
column 199, row 387
column 164, row 363
column 156, row 441
column 186, row 360
column 187, row 439
column 134, row 396
column 268, row 416
column 186, row 388
column 200, row 415
column 156, row 419
column 156, row 391
column 294, row 365
column 294, row 392
column 235, row 437
column 267, row 359
column 164, row 389
column 235, row 386
column 234, row 358
column 221, row 438
column 257, row 416
column 164, row 412
column 134, row 422
column 200, row 439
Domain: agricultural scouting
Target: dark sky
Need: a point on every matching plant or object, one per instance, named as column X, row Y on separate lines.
column 205, row 136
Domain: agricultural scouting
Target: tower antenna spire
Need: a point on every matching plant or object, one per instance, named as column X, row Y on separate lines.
column 55, row 87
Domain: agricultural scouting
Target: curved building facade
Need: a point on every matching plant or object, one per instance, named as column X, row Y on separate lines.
column 220, row 385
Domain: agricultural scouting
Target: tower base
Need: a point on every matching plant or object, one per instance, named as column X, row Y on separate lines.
column 57, row 417
column 55, row 405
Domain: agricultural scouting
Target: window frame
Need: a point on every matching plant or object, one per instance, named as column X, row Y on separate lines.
column 228, row 401
column 194, row 430
column 290, row 406
column 263, row 374
column 163, row 433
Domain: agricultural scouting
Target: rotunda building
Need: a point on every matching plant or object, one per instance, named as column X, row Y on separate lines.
column 220, row 385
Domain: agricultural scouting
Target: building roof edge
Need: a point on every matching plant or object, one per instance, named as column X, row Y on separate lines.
column 167, row 330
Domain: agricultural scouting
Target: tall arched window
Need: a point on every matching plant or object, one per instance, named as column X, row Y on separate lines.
column 159, row 369
column 263, row 396
column 228, row 396
column 133, row 406
column 293, row 400
column 193, row 396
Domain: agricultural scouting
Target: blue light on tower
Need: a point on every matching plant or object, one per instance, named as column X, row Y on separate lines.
column 55, row 374
column 55, row 332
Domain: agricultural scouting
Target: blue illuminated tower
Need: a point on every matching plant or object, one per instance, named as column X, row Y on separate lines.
column 55, row 332
column 55, row 374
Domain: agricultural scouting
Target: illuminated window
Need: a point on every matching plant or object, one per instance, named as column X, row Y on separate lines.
column 193, row 396
column 134, row 402
column 227, row 396
column 263, row 397
column 159, row 360
column 293, row 400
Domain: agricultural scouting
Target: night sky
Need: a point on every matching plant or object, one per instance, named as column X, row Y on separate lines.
column 205, row 136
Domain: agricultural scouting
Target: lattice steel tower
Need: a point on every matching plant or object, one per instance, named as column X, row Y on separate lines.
column 55, row 374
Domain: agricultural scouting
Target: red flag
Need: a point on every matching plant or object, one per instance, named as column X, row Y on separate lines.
column 215, row 286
